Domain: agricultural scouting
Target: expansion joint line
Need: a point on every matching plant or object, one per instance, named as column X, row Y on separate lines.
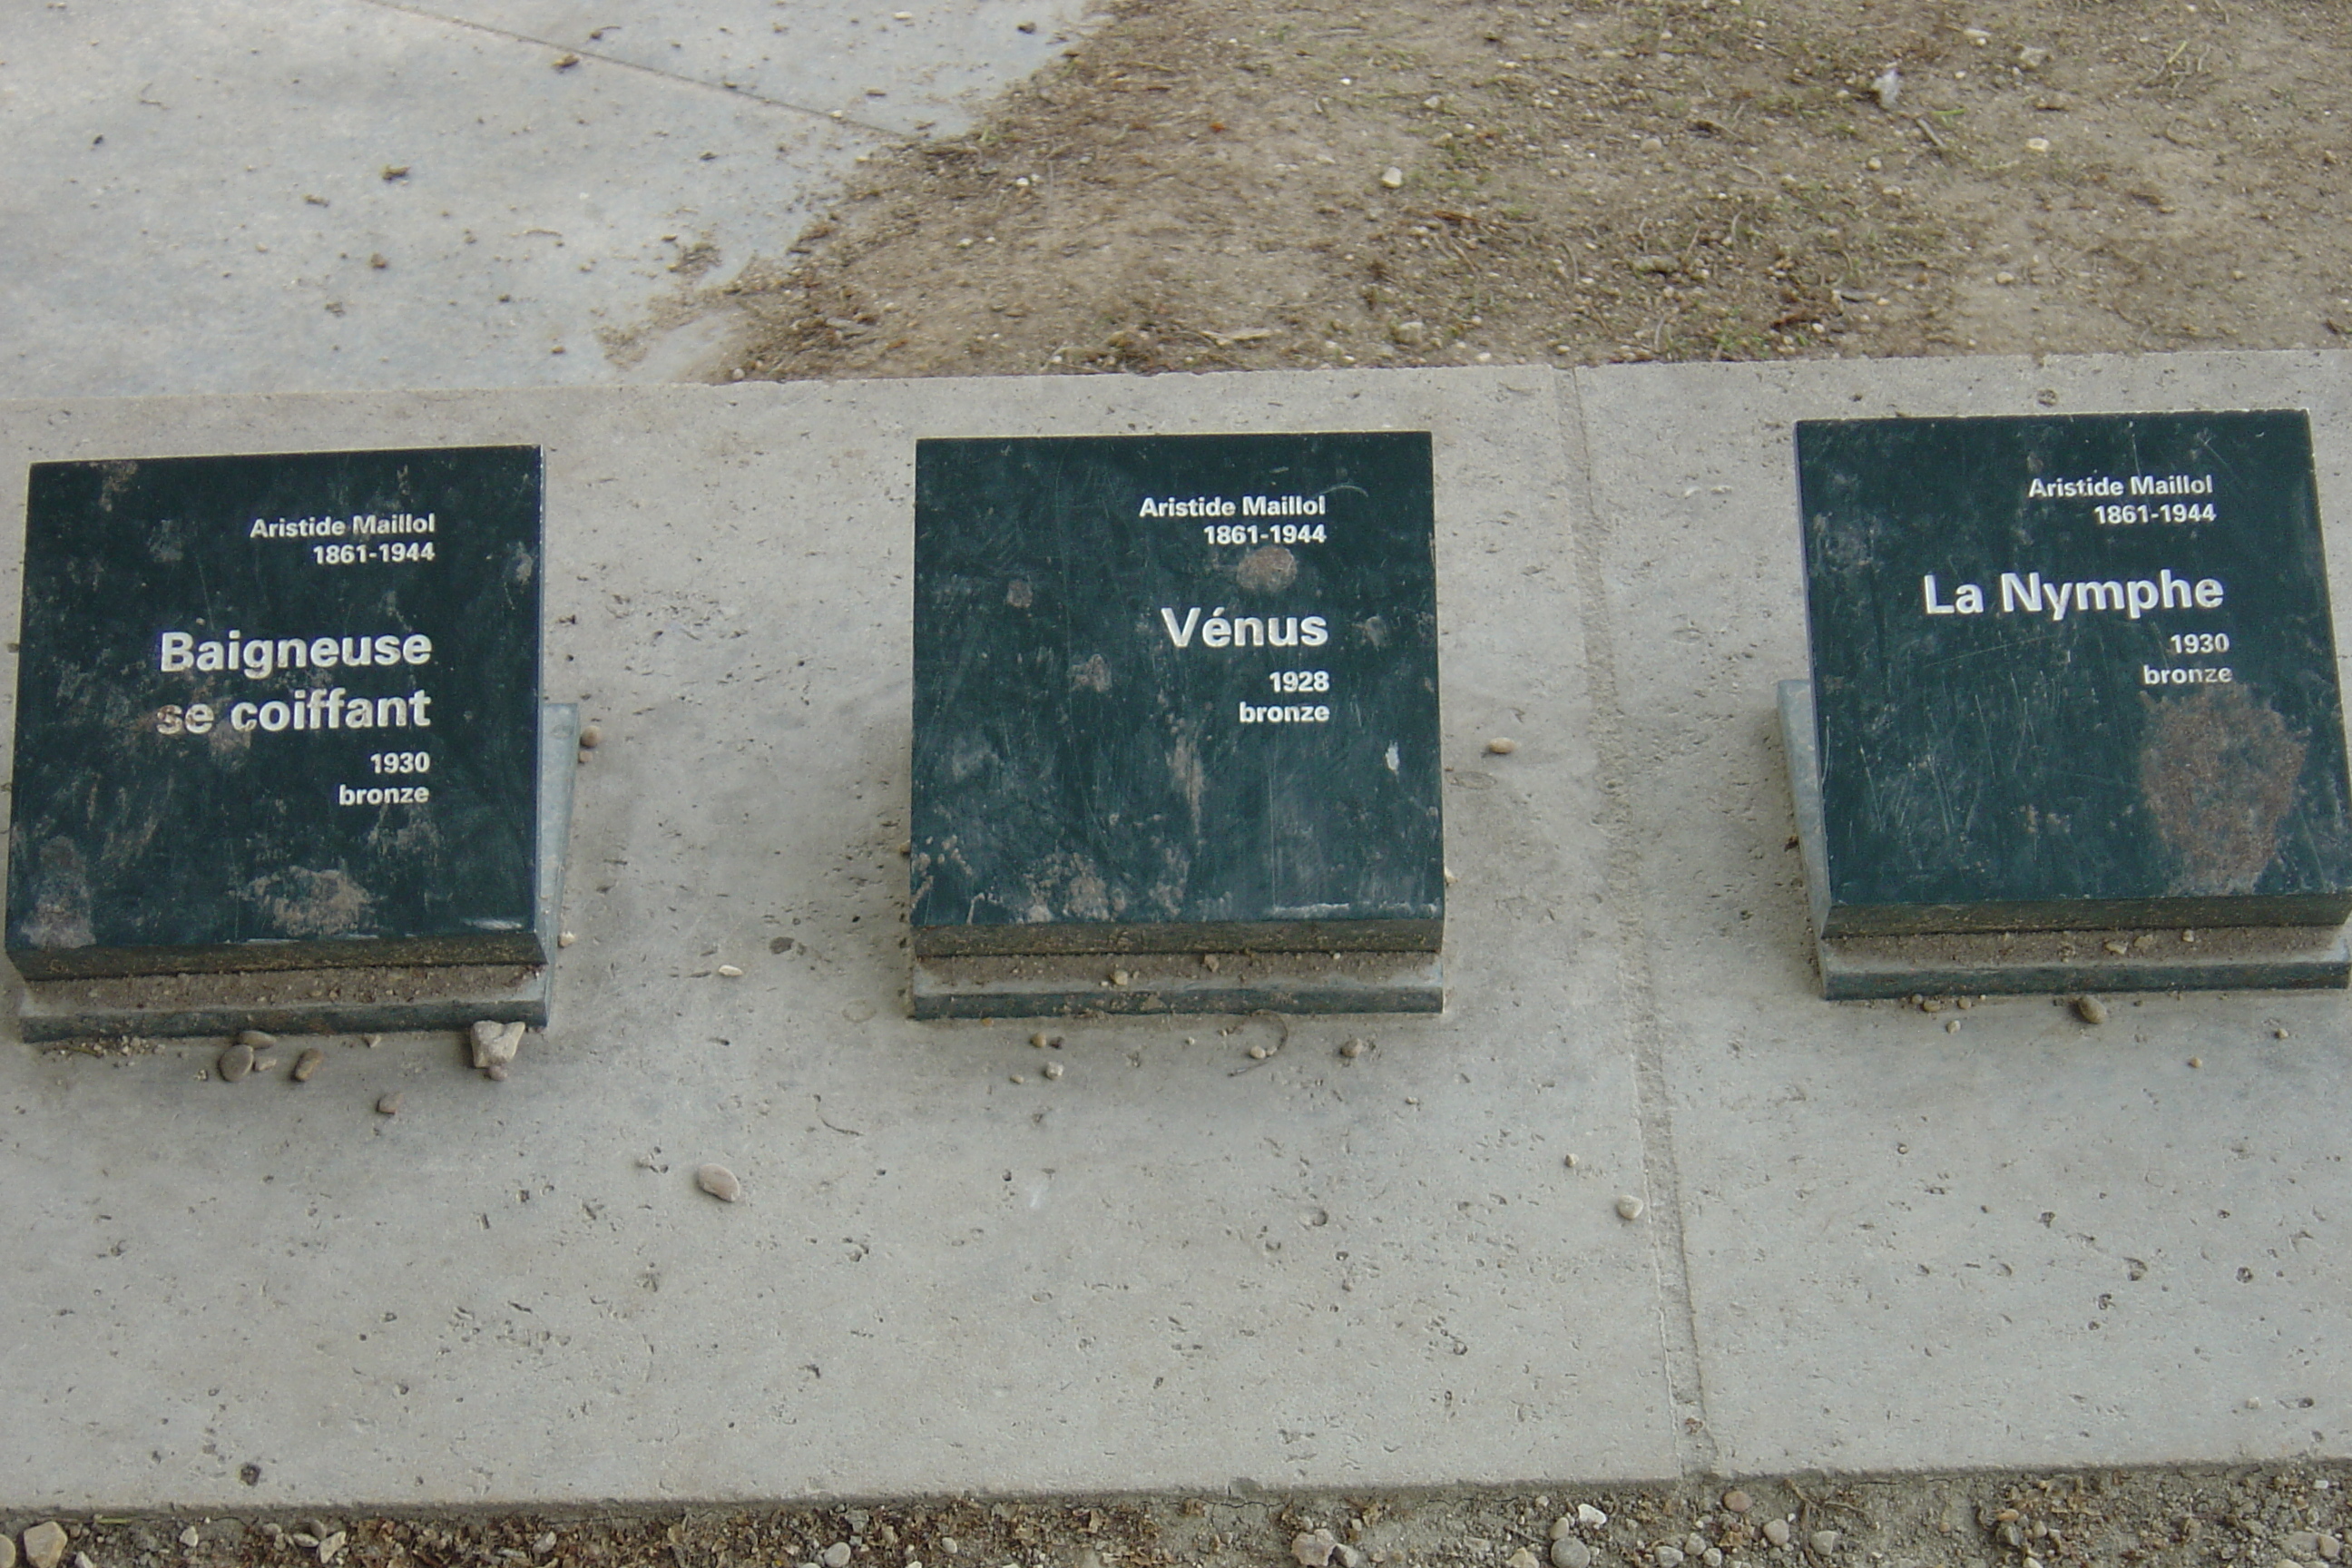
column 617, row 63
column 1695, row 1445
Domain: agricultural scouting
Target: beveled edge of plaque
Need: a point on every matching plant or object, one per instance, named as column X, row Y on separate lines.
column 1993, row 956
column 1415, row 933
column 530, row 947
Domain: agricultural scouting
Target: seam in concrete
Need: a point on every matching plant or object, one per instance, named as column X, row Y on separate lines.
column 1695, row 1445
column 619, row 64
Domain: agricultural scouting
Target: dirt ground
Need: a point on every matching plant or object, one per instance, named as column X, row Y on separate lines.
column 2263, row 1515
column 1287, row 184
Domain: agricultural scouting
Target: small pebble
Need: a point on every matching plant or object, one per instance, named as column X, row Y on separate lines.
column 1018, row 1078
column 720, row 1184
column 2092, row 1009
column 836, row 1556
column 1629, row 1207
column 2278, row 1033
column 2195, row 1061
column 1738, row 1501
column 495, row 1044
column 1712, row 1557
column 1354, row 1048
column 1951, row 1026
column 191, row 1537
column 1694, row 1543
column 1668, row 1557
column 565, row 939
column 371, row 1041
column 235, row 1062
column 330, row 1548
column 1776, row 1531
column 389, row 1104
column 731, row 972
column 1391, row 177
column 1502, row 746
column 1313, row 1549
column 1571, row 1552
column 1562, row 1528
column 256, row 1039
column 1522, row 1558
column 45, row 1544
column 496, row 1072
column 1052, row 1069
column 1589, row 1517
column 591, row 736
column 1120, row 977
column 1258, row 1053
column 1824, row 1542
column 1568, row 1161
column 308, row 1062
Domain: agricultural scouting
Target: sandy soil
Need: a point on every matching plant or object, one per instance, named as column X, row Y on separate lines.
column 1202, row 184
column 2262, row 1516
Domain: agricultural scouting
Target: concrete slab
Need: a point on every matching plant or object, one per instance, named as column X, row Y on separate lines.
column 1174, row 1268
column 2028, row 1242
column 1870, row 1243
column 198, row 200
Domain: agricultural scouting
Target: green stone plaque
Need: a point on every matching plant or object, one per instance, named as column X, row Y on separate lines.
column 2071, row 672
column 278, row 713
column 1175, row 693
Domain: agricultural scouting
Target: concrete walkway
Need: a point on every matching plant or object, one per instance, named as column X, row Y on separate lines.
column 1869, row 1243
column 344, row 195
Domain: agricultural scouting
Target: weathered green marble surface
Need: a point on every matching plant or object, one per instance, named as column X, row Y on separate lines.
column 1175, row 692
column 278, row 710
column 2072, row 671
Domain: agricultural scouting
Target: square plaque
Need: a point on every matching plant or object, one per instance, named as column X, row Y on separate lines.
column 277, row 713
column 1176, row 693
column 2071, row 672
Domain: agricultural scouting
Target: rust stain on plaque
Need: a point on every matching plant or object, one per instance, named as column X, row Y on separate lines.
column 2217, row 774
column 62, row 899
column 305, row 903
column 1268, row 569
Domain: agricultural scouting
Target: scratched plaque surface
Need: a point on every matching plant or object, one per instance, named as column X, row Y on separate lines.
column 1175, row 693
column 2072, row 671
column 277, row 711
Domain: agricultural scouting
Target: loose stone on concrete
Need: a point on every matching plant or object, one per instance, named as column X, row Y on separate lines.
column 495, row 1044
column 307, row 1063
column 1776, row 1531
column 1569, row 1553
column 720, row 1184
column 1313, row 1549
column 235, row 1062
